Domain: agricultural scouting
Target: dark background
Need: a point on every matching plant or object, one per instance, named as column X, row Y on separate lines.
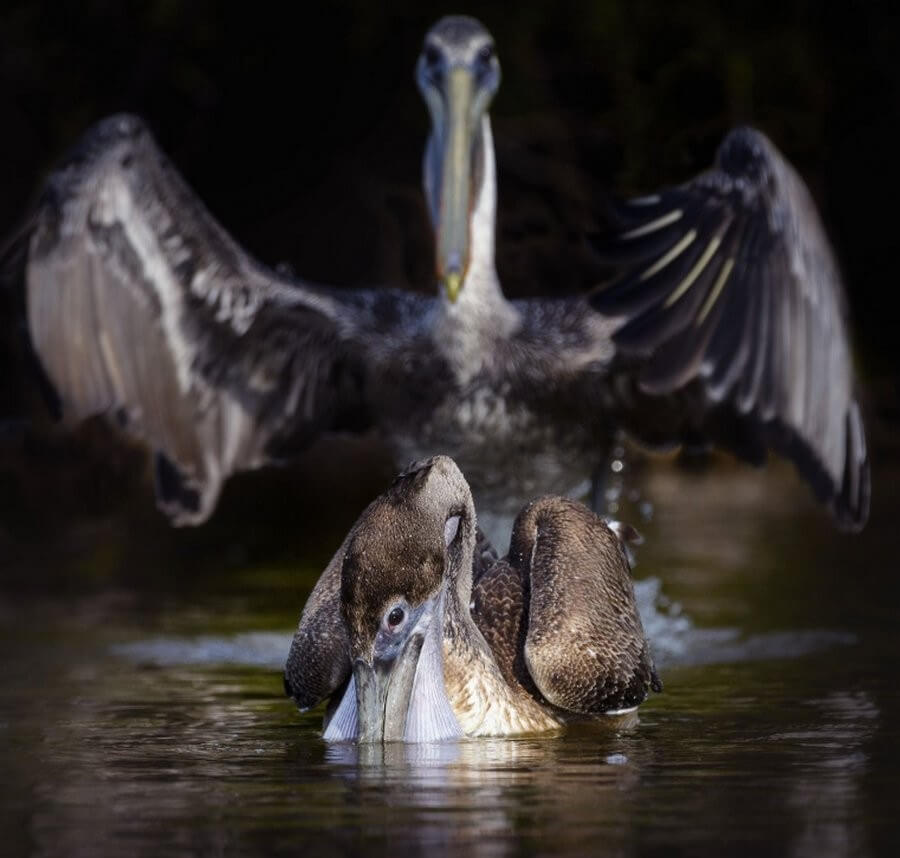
column 303, row 132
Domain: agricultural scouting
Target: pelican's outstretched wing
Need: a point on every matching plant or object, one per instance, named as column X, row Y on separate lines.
column 731, row 300
column 142, row 307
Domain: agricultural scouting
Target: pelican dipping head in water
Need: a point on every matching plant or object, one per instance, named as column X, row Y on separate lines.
column 417, row 632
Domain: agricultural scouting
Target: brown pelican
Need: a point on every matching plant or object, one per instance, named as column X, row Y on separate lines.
column 726, row 325
column 418, row 632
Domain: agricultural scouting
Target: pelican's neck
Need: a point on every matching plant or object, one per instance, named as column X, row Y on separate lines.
column 483, row 702
column 460, row 630
column 481, row 312
column 459, row 570
column 482, row 284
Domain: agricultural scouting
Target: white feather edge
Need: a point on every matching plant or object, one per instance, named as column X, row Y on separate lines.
column 430, row 717
column 344, row 724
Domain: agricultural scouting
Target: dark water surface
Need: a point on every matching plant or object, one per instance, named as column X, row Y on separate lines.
column 143, row 714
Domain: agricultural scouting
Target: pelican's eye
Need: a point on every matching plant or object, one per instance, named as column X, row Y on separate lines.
column 395, row 618
column 432, row 56
column 486, row 54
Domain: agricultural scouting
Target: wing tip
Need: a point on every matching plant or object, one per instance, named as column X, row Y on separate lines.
column 851, row 504
column 846, row 494
column 186, row 500
column 853, row 517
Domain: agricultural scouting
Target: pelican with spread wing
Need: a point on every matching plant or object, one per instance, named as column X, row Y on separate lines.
column 726, row 325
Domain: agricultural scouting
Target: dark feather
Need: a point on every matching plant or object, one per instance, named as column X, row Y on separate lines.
column 140, row 304
column 760, row 331
column 318, row 664
column 580, row 637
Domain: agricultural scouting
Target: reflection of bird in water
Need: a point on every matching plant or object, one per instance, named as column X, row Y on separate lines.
column 415, row 640
column 419, row 786
column 726, row 325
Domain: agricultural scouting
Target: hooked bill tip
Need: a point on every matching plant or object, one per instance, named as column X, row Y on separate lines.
column 452, row 284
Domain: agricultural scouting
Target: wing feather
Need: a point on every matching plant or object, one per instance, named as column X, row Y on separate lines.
column 142, row 307
column 318, row 663
column 585, row 647
column 759, row 330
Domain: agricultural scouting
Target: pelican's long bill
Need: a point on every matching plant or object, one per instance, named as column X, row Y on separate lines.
column 458, row 79
column 456, row 183
column 384, row 690
column 396, row 693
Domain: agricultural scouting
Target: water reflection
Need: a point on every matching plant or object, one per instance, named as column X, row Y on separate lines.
column 828, row 795
column 492, row 796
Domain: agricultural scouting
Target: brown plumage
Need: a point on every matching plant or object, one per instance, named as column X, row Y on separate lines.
column 585, row 660
column 548, row 634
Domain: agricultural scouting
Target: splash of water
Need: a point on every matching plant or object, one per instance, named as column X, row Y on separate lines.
column 674, row 637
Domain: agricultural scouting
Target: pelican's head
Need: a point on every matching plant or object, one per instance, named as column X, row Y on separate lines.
column 414, row 540
column 458, row 74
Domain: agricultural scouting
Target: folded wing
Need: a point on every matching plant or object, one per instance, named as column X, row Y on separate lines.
column 559, row 612
column 318, row 663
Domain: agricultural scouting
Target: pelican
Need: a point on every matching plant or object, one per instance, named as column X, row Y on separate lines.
column 419, row 633
column 725, row 326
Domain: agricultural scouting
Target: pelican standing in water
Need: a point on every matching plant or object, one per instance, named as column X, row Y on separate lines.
column 417, row 636
column 725, row 327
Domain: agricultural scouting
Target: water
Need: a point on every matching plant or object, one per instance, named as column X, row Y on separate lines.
column 141, row 709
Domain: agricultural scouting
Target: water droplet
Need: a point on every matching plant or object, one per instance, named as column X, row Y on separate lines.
column 616, row 466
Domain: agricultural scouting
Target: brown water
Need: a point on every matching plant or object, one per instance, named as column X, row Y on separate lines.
column 141, row 708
